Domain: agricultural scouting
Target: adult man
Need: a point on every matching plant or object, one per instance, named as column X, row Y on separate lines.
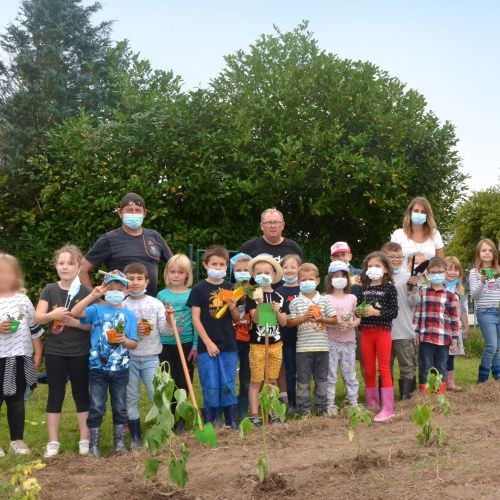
column 129, row 243
column 272, row 241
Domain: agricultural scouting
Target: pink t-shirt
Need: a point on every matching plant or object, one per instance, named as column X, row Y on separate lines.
column 343, row 304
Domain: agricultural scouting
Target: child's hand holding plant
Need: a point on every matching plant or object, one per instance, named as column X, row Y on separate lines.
column 59, row 314
column 371, row 311
column 5, row 326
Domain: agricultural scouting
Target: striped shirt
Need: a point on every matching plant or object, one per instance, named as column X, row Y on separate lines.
column 436, row 318
column 311, row 336
column 485, row 295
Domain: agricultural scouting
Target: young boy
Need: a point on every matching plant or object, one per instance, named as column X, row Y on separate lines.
column 309, row 312
column 114, row 331
column 213, row 317
column 340, row 250
column 403, row 334
column 436, row 323
column 241, row 275
column 266, row 272
column 151, row 323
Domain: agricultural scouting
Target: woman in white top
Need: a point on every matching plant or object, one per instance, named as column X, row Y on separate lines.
column 419, row 232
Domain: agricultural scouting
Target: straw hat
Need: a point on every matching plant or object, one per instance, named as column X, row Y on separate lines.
column 278, row 273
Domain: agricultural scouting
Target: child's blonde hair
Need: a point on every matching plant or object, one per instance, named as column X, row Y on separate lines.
column 73, row 250
column 291, row 256
column 10, row 259
column 308, row 267
column 478, row 264
column 453, row 261
column 183, row 262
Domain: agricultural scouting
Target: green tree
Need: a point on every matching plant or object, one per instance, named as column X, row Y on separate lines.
column 476, row 218
column 56, row 63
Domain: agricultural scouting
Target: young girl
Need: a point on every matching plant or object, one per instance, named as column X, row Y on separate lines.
column 66, row 348
column 290, row 290
column 454, row 276
column 19, row 337
column 178, row 276
column 379, row 306
column 342, row 336
column 485, row 290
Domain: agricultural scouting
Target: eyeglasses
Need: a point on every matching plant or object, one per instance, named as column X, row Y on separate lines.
column 272, row 223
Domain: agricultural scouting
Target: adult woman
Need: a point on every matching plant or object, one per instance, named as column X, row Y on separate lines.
column 419, row 232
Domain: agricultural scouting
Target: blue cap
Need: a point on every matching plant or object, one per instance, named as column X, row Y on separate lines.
column 236, row 258
column 116, row 276
column 338, row 265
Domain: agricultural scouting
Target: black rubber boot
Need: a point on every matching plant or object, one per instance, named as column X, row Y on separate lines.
column 230, row 417
column 406, row 387
column 134, row 427
column 95, row 437
column 208, row 414
column 119, row 438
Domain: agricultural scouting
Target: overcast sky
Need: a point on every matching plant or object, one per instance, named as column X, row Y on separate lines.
column 447, row 50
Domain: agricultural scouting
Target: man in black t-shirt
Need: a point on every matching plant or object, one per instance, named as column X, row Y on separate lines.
column 129, row 243
column 272, row 241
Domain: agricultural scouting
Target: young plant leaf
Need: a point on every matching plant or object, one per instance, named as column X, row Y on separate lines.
column 246, row 427
column 177, row 472
column 151, row 465
column 441, row 437
column 262, row 469
column 350, row 435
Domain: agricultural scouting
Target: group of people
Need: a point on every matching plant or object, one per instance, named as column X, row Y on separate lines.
column 257, row 314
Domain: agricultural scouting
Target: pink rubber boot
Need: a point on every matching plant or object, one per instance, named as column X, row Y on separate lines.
column 372, row 398
column 387, row 410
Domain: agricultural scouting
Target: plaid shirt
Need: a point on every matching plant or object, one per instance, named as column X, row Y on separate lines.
column 436, row 318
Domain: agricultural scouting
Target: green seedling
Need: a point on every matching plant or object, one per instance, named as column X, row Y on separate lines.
column 270, row 404
column 14, row 322
column 357, row 416
column 361, row 308
column 490, row 273
column 161, row 433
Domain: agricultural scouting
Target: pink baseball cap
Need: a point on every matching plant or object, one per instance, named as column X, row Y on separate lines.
column 338, row 247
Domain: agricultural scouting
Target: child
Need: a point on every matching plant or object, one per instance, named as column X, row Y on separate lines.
column 19, row 337
column 342, row 251
column 485, row 290
column 310, row 312
column 213, row 321
column 151, row 322
column 342, row 336
column 404, row 344
column 178, row 276
column 454, row 275
column 241, row 275
column 290, row 290
column 266, row 272
column 379, row 306
column 436, row 323
column 114, row 330
column 66, row 348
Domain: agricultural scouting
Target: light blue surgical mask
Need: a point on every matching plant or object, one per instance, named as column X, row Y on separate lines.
column 308, row 286
column 242, row 276
column 133, row 221
column 114, row 297
column 452, row 285
column 263, row 280
column 289, row 280
column 216, row 274
column 418, row 218
column 137, row 294
column 436, row 278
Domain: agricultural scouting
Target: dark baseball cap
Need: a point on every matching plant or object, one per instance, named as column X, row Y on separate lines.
column 132, row 198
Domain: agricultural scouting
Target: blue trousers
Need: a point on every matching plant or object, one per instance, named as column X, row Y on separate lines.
column 432, row 356
column 489, row 323
column 244, row 377
column 217, row 378
column 290, row 360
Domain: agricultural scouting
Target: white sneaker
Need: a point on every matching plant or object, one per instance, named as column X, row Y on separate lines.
column 83, row 447
column 332, row 411
column 2, row 453
column 19, row 447
column 52, row 449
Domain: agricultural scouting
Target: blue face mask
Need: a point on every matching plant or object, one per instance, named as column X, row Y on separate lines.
column 242, row 276
column 418, row 218
column 292, row 279
column 308, row 286
column 114, row 297
column 436, row 278
column 133, row 221
column 137, row 294
column 263, row 280
column 216, row 274
column 452, row 285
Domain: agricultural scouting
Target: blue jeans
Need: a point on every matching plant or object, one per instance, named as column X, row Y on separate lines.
column 489, row 322
column 244, row 377
column 432, row 356
column 217, row 378
column 140, row 368
column 100, row 381
column 290, row 360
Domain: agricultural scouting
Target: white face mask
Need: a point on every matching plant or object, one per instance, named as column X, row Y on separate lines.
column 375, row 273
column 339, row 283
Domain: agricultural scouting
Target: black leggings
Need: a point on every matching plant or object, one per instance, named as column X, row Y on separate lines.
column 15, row 414
column 59, row 369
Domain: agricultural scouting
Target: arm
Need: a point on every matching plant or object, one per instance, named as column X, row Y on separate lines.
column 212, row 348
column 440, row 252
column 42, row 316
column 78, row 310
column 84, row 272
column 38, row 352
